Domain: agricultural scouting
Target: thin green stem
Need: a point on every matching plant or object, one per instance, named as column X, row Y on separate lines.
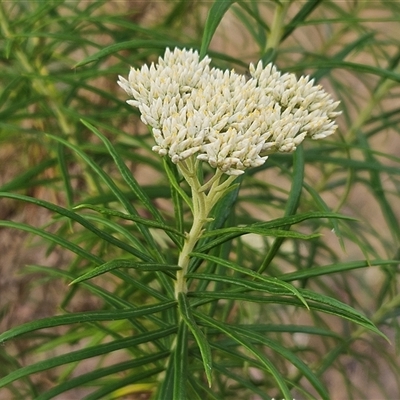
column 202, row 205
column 277, row 26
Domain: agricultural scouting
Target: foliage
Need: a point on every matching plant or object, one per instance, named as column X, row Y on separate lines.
column 295, row 278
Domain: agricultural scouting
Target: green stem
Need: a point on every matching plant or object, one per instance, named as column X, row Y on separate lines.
column 202, row 205
column 277, row 26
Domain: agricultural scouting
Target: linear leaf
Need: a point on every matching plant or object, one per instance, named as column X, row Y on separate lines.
column 129, row 217
column 301, row 15
column 52, row 238
column 92, row 376
column 226, row 234
column 214, row 17
column 271, row 282
column 114, row 264
column 291, row 205
column 114, row 188
column 130, row 44
column 83, row 354
column 315, row 301
column 173, row 178
column 121, row 387
column 334, row 268
column 82, row 221
column 230, row 332
column 186, row 314
column 25, row 178
column 127, row 175
column 84, row 317
column 181, row 362
column 288, row 355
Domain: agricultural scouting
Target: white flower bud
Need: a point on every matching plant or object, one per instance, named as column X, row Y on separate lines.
column 222, row 118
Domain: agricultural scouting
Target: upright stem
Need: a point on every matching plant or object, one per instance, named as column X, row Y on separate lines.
column 277, row 26
column 190, row 241
column 202, row 205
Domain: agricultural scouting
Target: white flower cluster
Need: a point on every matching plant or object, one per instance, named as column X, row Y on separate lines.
column 225, row 119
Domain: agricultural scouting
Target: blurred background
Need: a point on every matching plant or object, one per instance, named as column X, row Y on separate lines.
column 350, row 47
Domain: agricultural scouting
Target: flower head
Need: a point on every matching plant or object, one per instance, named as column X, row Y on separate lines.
column 223, row 118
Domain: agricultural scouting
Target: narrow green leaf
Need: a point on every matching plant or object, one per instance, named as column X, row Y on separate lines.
column 392, row 219
column 83, row 354
column 271, row 282
column 324, row 207
column 223, row 208
column 92, row 376
column 85, row 317
column 130, row 44
column 110, row 298
column 82, row 221
column 225, row 234
column 338, row 64
column 248, row 333
column 181, row 362
column 316, row 302
column 165, row 389
column 172, row 174
column 259, row 230
column 231, row 332
column 23, row 180
column 112, row 388
column 126, row 174
column 54, row 239
column 242, row 380
column 269, row 286
column 334, row 268
column 214, row 17
column 65, row 174
column 129, row 217
column 341, row 55
column 306, row 9
column 340, row 309
column 114, row 264
column 291, row 205
column 117, row 192
column 186, row 314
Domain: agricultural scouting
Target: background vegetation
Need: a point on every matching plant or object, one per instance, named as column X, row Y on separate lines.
column 59, row 65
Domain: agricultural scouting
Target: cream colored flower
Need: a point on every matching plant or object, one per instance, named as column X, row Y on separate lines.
column 223, row 118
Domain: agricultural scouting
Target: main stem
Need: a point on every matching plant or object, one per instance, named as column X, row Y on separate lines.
column 202, row 205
